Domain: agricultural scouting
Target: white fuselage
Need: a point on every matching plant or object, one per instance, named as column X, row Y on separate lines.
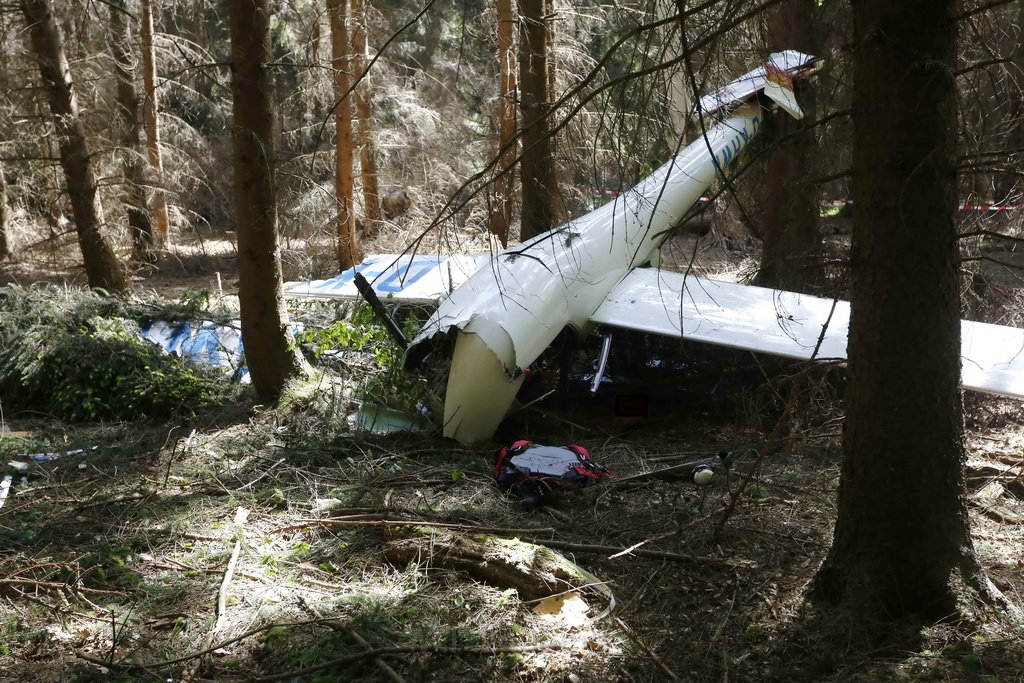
column 519, row 301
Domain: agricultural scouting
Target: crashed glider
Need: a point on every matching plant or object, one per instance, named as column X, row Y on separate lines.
column 499, row 312
column 508, row 312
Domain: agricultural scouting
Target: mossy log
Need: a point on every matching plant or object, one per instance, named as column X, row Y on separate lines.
column 534, row 571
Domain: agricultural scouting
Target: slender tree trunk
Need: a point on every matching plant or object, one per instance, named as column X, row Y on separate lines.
column 102, row 268
column 367, row 139
column 536, row 167
column 270, row 351
column 133, row 156
column 550, row 60
column 51, row 194
column 1006, row 184
column 5, row 219
column 151, row 119
column 504, row 185
column 348, row 238
column 791, row 256
column 902, row 548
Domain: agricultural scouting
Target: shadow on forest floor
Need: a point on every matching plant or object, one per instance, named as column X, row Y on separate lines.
column 130, row 561
column 114, row 559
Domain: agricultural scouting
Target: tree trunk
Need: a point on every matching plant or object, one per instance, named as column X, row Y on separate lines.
column 367, row 141
column 791, row 256
column 902, row 547
column 102, row 268
column 270, row 351
column 134, row 160
column 151, row 119
column 348, row 239
column 5, row 219
column 504, row 185
column 536, row 167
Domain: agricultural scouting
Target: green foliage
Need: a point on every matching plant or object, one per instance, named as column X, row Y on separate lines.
column 77, row 357
column 389, row 384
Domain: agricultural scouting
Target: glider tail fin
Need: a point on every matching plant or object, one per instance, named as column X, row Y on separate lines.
column 774, row 80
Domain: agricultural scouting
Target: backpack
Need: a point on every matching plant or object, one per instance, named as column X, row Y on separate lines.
column 538, row 473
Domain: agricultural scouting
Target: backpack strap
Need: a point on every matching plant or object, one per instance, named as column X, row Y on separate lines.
column 587, row 467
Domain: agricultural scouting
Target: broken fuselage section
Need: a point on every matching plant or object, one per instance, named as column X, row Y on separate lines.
column 497, row 323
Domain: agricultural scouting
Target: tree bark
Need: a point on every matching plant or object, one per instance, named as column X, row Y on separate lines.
column 500, row 218
column 791, row 256
column 348, row 238
column 902, row 548
column 367, row 139
column 270, row 350
column 102, row 268
column 5, row 219
column 536, row 166
column 133, row 156
column 151, row 120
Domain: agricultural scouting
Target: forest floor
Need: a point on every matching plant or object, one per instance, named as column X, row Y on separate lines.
column 259, row 544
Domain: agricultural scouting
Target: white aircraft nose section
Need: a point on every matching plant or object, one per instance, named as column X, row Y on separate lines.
column 479, row 391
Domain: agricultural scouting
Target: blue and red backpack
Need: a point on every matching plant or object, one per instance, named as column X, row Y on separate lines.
column 539, row 474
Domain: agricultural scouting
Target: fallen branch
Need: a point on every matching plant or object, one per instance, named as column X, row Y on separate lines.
column 388, row 672
column 650, row 653
column 382, row 520
column 655, row 554
column 56, row 585
column 241, row 515
column 130, row 666
column 335, row 625
column 668, row 534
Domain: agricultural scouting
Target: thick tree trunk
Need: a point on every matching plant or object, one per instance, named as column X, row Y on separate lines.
column 270, row 351
column 151, row 120
column 5, row 219
column 102, row 268
column 367, row 139
column 791, row 256
column 902, row 548
column 133, row 156
column 536, row 167
column 348, row 238
column 504, row 185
